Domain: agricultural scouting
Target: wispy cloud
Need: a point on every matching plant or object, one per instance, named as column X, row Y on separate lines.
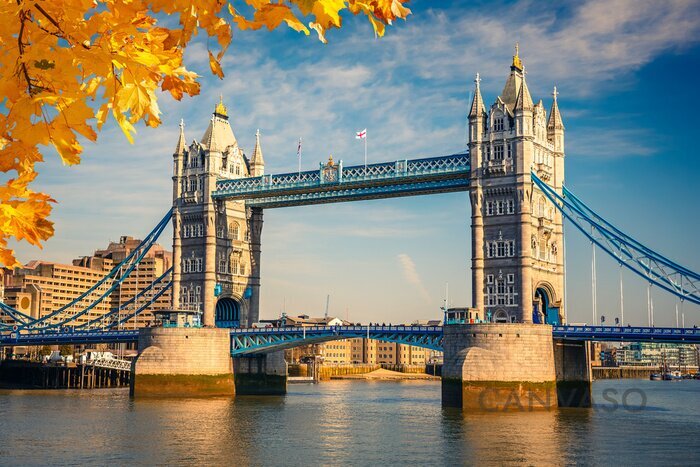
column 411, row 275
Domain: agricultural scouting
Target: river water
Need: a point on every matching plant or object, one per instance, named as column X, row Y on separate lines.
column 634, row 422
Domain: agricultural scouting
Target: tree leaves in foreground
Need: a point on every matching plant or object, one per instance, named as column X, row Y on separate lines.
column 67, row 66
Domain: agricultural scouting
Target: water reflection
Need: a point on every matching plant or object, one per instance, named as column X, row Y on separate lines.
column 342, row 423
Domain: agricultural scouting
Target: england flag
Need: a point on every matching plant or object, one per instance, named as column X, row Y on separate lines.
column 361, row 134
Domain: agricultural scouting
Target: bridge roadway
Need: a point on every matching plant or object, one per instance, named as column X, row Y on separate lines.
column 262, row 340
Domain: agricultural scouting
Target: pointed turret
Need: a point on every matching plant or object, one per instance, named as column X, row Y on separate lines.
column 554, row 122
column 181, row 143
column 514, row 81
column 555, row 127
column 478, row 102
column 219, row 134
column 524, row 99
column 257, row 163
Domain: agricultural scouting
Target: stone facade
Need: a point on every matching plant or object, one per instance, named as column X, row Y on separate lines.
column 517, row 238
column 182, row 362
column 216, row 244
column 498, row 366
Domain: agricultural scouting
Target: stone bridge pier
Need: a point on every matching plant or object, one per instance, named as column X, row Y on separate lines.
column 187, row 362
column 514, row 366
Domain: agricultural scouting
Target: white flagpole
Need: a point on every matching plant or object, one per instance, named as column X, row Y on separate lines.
column 365, row 150
column 299, row 155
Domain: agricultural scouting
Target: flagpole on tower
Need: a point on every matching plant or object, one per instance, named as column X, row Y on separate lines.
column 299, row 156
column 365, row 150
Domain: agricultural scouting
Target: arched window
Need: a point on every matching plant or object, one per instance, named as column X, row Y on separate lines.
column 540, row 206
column 233, row 230
column 234, row 265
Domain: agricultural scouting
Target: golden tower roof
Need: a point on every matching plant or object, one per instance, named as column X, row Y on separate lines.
column 517, row 63
column 221, row 108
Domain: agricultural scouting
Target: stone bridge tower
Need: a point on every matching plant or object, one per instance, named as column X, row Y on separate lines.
column 517, row 241
column 216, row 244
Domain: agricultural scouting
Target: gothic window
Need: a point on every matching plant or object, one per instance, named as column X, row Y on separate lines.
column 238, row 169
column 500, row 208
column 489, row 208
column 498, row 152
column 193, row 297
column 185, row 265
column 511, row 295
column 501, row 249
column 242, row 269
column 543, row 248
column 500, row 287
column 234, row 265
column 511, row 278
column 511, row 248
column 183, row 295
column 220, row 231
column 197, row 294
column 487, row 152
column 222, row 266
column 186, row 231
column 498, row 124
column 233, row 230
column 491, row 250
column 510, row 151
column 198, row 264
column 193, row 184
column 200, row 230
column 489, row 279
column 510, row 206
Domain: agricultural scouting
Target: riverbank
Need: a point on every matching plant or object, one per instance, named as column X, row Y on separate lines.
column 388, row 375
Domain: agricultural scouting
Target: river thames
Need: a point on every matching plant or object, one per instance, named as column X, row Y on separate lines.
column 349, row 422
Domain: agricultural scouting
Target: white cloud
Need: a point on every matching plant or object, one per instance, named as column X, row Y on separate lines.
column 411, row 275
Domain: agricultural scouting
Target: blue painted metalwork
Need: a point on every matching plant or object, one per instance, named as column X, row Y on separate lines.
column 227, row 313
column 334, row 183
column 648, row 264
column 118, row 316
column 628, row 334
column 72, row 337
column 110, row 282
column 263, row 340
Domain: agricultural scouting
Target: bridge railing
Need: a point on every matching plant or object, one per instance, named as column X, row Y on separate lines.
column 404, row 168
column 336, row 329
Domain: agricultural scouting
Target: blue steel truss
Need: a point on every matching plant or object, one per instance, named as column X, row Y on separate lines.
column 333, row 183
column 643, row 261
column 82, row 304
column 259, row 341
column 263, row 340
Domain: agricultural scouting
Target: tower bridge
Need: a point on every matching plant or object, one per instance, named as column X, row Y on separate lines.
column 513, row 171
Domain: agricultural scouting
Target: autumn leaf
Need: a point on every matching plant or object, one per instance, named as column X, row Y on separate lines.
column 215, row 66
column 66, row 66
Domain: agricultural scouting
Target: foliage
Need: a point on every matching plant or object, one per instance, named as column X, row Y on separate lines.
column 45, row 350
column 66, row 66
column 66, row 349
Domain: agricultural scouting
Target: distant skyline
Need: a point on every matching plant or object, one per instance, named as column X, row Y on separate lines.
column 626, row 73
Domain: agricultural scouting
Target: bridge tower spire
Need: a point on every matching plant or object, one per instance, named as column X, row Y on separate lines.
column 215, row 251
column 517, row 256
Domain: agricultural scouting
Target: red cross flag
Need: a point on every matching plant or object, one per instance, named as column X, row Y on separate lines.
column 361, row 134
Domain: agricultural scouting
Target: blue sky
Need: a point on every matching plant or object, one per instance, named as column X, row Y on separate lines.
column 626, row 72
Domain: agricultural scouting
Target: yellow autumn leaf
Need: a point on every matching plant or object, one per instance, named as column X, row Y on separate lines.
column 215, row 66
column 125, row 51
